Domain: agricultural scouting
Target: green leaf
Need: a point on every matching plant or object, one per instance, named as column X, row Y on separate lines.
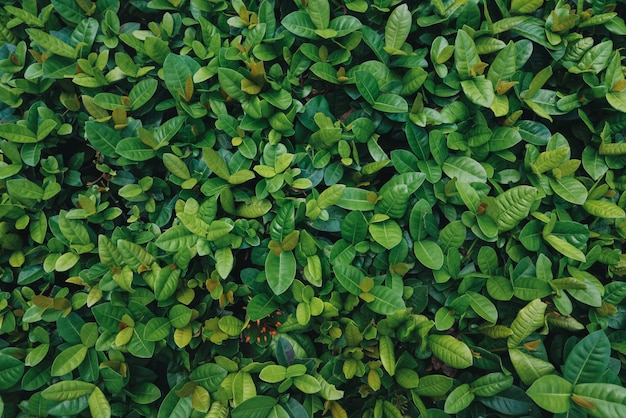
column 67, row 390
column 176, row 73
column 176, row 238
column 478, row 90
column 451, row 351
column 565, row 248
column 142, row 92
column 503, row 66
column 273, row 373
column 157, row 329
column 387, row 354
column 99, row 406
column 319, row 12
column 434, row 385
column 429, row 254
column 390, row 103
column 307, row 384
column 17, row 133
column 230, row 81
column 135, row 150
column 600, row 400
column 300, row 24
column 51, row 43
column 397, row 28
column 525, row 6
column 386, row 233
column 166, row 283
column 11, row 369
column 483, row 307
column 552, row 393
column 385, row 300
column 280, row 271
column 176, row 166
column 357, row 199
column 529, row 368
column 349, row 277
column 459, row 399
column 208, row 375
column 464, row 169
column 465, row 56
column 491, row 384
column 255, row 407
column 367, row 85
column 569, row 189
column 588, row 359
column 513, row 206
column 528, row 319
column 102, row 137
column 604, row 209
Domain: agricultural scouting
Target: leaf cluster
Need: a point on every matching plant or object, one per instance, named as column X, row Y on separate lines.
column 312, row 208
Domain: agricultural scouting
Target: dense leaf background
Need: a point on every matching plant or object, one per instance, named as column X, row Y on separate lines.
column 319, row 208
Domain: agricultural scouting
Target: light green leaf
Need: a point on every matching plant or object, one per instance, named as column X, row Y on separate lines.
column 69, row 359
column 451, row 351
column 465, row 56
column 569, row 189
column 483, row 307
column 565, row 248
column 387, row 354
column 601, row 400
column 528, row 319
column 478, row 90
column 17, row 133
column 280, row 271
column 525, row 6
column 319, row 12
column 390, row 103
column 349, row 277
column 529, row 368
column 398, row 27
column 386, row 233
column 300, row 24
column 459, row 399
column 429, row 254
column 385, row 300
column 99, row 406
column 552, row 393
column 464, row 169
column 51, row 43
column 67, row 390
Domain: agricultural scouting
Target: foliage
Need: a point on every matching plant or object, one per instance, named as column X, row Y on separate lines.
column 376, row 208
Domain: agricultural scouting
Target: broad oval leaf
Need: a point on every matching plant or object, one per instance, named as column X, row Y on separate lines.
column 552, row 393
column 451, row 351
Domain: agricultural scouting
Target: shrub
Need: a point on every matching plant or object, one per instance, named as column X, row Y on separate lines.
column 312, row 208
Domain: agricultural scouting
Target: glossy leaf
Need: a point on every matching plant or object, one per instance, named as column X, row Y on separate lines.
column 552, row 393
